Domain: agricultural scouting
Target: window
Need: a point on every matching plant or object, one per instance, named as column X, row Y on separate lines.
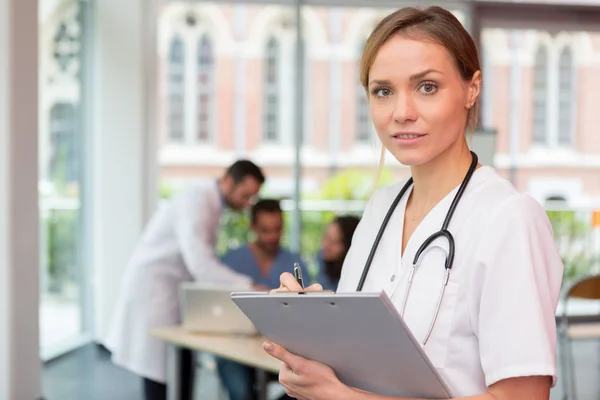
column 565, row 97
column 65, row 285
column 540, row 126
column 66, row 45
column 64, row 168
column 176, row 77
column 205, row 84
column 364, row 125
column 271, row 79
column 555, row 202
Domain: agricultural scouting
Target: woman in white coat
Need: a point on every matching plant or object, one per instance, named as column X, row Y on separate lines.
column 177, row 245
column 494, row 334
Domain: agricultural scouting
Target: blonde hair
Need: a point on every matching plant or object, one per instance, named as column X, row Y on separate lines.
column 435, row 24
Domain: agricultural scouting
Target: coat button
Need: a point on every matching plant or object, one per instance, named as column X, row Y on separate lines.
column 393, row 278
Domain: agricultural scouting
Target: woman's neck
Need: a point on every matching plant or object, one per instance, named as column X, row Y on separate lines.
column 434, row 180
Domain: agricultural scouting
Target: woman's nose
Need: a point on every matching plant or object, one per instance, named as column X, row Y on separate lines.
column 404, row 108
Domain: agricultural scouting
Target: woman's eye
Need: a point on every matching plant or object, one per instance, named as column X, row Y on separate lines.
column 382, row 92
column 428, row 88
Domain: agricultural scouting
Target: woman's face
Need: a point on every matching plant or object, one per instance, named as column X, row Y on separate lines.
column 419, row 101
column 332, row 243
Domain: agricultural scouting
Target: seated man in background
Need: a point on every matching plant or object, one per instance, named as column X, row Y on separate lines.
column 263, row 260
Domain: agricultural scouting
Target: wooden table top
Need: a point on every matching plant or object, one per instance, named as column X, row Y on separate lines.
column 243, row 349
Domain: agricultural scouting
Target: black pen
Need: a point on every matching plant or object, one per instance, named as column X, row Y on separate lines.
column 298, row 275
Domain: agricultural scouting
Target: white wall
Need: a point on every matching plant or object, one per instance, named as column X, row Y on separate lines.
column 124, row 155
column 19, row 293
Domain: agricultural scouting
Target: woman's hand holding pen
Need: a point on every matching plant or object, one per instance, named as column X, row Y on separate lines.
column 287, row 283
column 303, row 379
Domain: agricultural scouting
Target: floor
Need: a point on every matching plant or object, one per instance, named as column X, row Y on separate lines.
column 88, row 374
column 58, row 308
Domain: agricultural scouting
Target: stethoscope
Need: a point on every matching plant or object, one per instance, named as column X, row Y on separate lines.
column 441, row 233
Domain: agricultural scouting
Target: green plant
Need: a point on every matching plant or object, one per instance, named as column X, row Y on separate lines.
column 61, row 247
column 234, row 231
column 570, row 232
column 58, row 170
column 353, row 185
column 165, row 191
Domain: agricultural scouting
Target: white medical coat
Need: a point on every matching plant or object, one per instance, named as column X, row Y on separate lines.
column 497, row 318
column 177, row 245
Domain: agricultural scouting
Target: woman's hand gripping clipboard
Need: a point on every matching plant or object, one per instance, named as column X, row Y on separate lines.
column 359, row 335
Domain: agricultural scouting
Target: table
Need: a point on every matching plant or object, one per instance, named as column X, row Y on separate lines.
column 243, row 349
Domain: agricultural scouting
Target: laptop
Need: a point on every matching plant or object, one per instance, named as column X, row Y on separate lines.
column 208, row 308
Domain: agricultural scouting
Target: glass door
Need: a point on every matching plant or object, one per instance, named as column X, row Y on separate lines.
column 64, row 163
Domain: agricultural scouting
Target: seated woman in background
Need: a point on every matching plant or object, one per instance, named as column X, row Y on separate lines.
column 335, row 244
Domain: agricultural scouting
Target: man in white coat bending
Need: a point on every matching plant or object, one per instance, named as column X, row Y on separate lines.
column 177, row 245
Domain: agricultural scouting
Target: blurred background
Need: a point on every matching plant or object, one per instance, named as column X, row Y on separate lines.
column 138, row 99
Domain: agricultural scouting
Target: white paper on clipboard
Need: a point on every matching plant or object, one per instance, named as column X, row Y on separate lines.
column 360, row 335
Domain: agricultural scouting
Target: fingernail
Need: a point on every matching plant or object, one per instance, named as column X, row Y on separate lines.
column 268, row 346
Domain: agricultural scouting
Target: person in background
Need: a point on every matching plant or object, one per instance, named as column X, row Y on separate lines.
column 334, row 247
column 263, row 260
column 177, row 245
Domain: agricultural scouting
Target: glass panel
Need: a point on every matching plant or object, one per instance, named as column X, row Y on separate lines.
column 255, row 86
column 61, row 144
column 255, row 94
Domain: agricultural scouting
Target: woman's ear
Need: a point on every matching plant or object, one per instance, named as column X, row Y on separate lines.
column 474, row 89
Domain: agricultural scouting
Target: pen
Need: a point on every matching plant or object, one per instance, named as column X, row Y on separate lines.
column 298, row 275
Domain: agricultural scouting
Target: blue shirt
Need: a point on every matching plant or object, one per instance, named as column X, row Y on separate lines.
column 242, row 260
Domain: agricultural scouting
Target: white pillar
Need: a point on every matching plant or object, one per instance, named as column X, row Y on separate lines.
column 124, row 172
column 19, row 289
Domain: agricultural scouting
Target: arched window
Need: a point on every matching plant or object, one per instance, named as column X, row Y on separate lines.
column 271, row 86
column 205, row 85
column 540, row 124
column 565, row 97
column 175, row 82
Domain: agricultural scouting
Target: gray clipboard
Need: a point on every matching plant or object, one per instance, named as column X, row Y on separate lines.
column 360, row 335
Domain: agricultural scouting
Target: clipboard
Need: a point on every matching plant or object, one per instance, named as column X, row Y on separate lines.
column 359, row 335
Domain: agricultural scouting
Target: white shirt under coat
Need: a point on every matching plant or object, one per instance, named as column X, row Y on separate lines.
column 177, row 245
column 497, row 318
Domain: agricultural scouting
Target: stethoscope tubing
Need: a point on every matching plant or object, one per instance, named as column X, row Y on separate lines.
column 443, row 232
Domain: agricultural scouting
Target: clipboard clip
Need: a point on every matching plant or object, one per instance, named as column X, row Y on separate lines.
column 303, row 292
